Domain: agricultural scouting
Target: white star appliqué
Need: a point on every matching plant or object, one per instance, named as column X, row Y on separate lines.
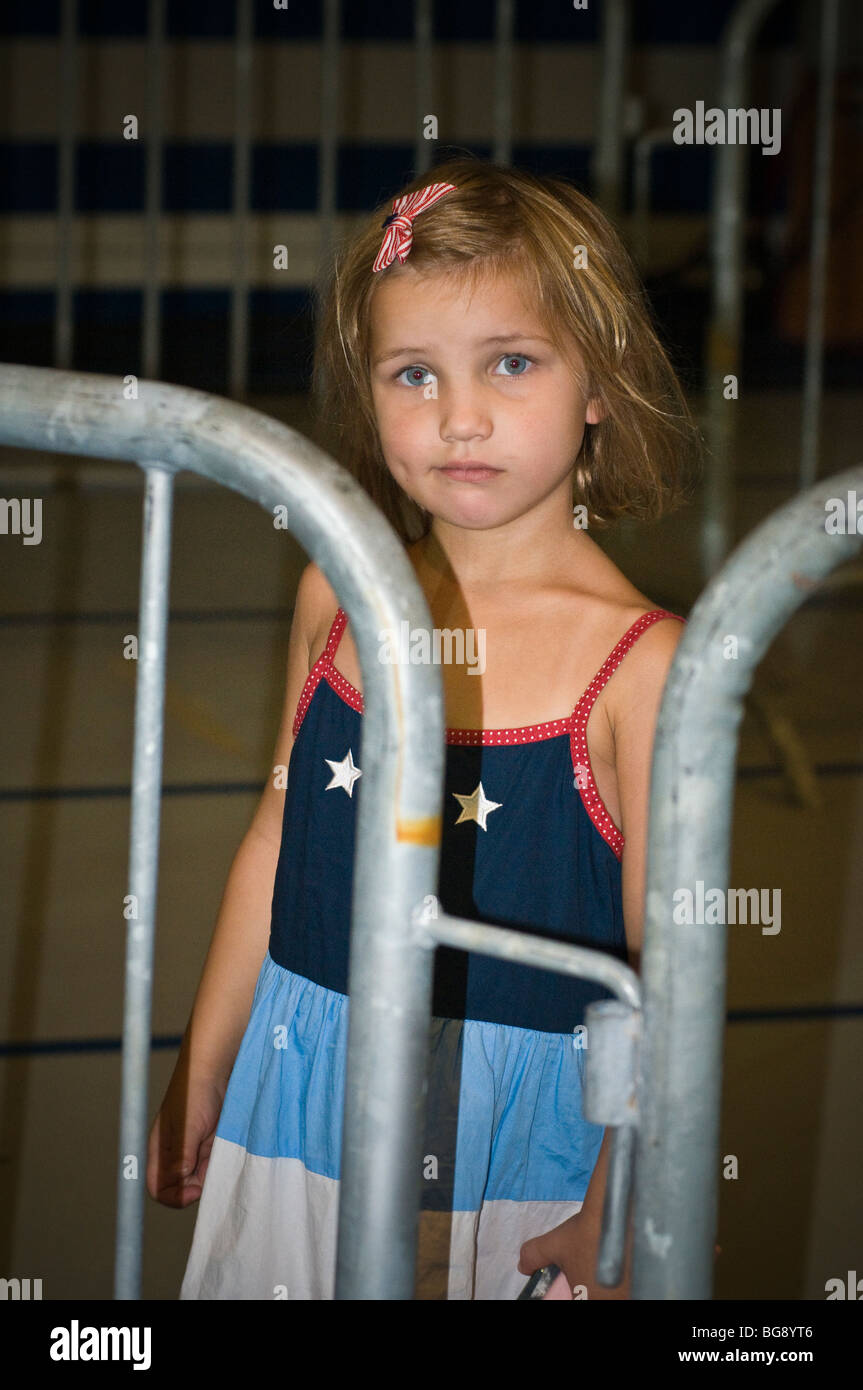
column 476, row 807
column 344, row 773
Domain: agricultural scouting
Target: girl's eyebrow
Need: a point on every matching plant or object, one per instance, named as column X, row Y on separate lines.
column 486, row 342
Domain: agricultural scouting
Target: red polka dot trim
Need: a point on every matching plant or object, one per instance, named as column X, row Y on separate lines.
column 324, row 668
column 528, row 733
column 593, row 803
column 574, row 725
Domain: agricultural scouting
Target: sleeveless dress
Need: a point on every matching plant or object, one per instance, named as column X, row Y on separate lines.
column 527, row 843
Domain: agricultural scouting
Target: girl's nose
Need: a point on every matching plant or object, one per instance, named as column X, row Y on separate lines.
column 463, row 413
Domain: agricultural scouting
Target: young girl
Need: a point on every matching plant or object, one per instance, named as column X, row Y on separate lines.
column 487, row 365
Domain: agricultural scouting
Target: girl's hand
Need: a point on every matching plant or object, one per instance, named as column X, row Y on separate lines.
column 181, row 1139
column 574, row 1246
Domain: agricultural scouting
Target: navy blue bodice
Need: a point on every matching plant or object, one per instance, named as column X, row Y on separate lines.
column 527, row 844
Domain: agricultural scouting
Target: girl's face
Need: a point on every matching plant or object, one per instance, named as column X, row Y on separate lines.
column 473, row 380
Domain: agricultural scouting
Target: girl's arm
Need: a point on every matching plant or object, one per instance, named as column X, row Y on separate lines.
column 182, row 1134
column 224, row 998
column 634, row 719
column 574, row 1244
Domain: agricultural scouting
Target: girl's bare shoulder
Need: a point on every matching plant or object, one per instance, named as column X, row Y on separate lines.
column 316, row 607
column 608, row 606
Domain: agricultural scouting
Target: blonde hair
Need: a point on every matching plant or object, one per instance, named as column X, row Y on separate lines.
column 637, row 460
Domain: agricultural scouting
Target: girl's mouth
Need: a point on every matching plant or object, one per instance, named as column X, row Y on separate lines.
column 469, row 472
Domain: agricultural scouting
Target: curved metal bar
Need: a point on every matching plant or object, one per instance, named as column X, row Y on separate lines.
column 691, row 802
column 398, row 833
column 524, row 948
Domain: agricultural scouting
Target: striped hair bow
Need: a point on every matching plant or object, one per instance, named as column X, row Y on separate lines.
column 399, row 234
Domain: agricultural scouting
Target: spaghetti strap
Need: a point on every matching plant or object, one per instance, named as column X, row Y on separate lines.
column 614, row 658
column 339, row 623
column 324, row 667
column 579, row 753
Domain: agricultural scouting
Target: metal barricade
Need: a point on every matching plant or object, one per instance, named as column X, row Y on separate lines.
column 661, row 1094
column 691, row 802
column 165, row 429
column 654, row 1070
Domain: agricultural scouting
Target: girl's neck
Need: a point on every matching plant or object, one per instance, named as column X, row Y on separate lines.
column 491, row 563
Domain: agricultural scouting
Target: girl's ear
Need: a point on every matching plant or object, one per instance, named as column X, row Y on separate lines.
column 595, row 411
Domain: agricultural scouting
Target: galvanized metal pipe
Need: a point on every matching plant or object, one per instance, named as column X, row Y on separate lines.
column 813, row 372
column 328, row 148
column 423, row 60
column 154, row 145
column 503, row 55
column 238, row 372
column 610, row 1086
column 642, row 154
column 727, row 268
column 608, row 150
column 140, row 907
column 691, row 803
column 66, row 146
column 526, row 949
column 615, row 1208
column 435, row 928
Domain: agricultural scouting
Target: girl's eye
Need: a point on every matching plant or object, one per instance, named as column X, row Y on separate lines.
column 513, row 360
column 414, row 374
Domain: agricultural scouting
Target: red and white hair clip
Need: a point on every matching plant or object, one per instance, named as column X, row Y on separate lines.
column 399, row 234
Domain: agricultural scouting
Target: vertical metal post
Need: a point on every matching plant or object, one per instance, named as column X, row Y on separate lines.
column 66, row 145
column 727, row 268
column 140, row 906
column 608, row 152
column 690, row 813
column 643, row 149
column 822, row 157
column 503, row 54
column 154, row 146
column 423, row 55
column 390, row 989
column 328, row 147
column 239, row 347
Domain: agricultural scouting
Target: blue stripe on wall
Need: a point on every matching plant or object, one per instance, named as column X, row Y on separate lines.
column 195, row 335
column 542, row 21
column 198, row 177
